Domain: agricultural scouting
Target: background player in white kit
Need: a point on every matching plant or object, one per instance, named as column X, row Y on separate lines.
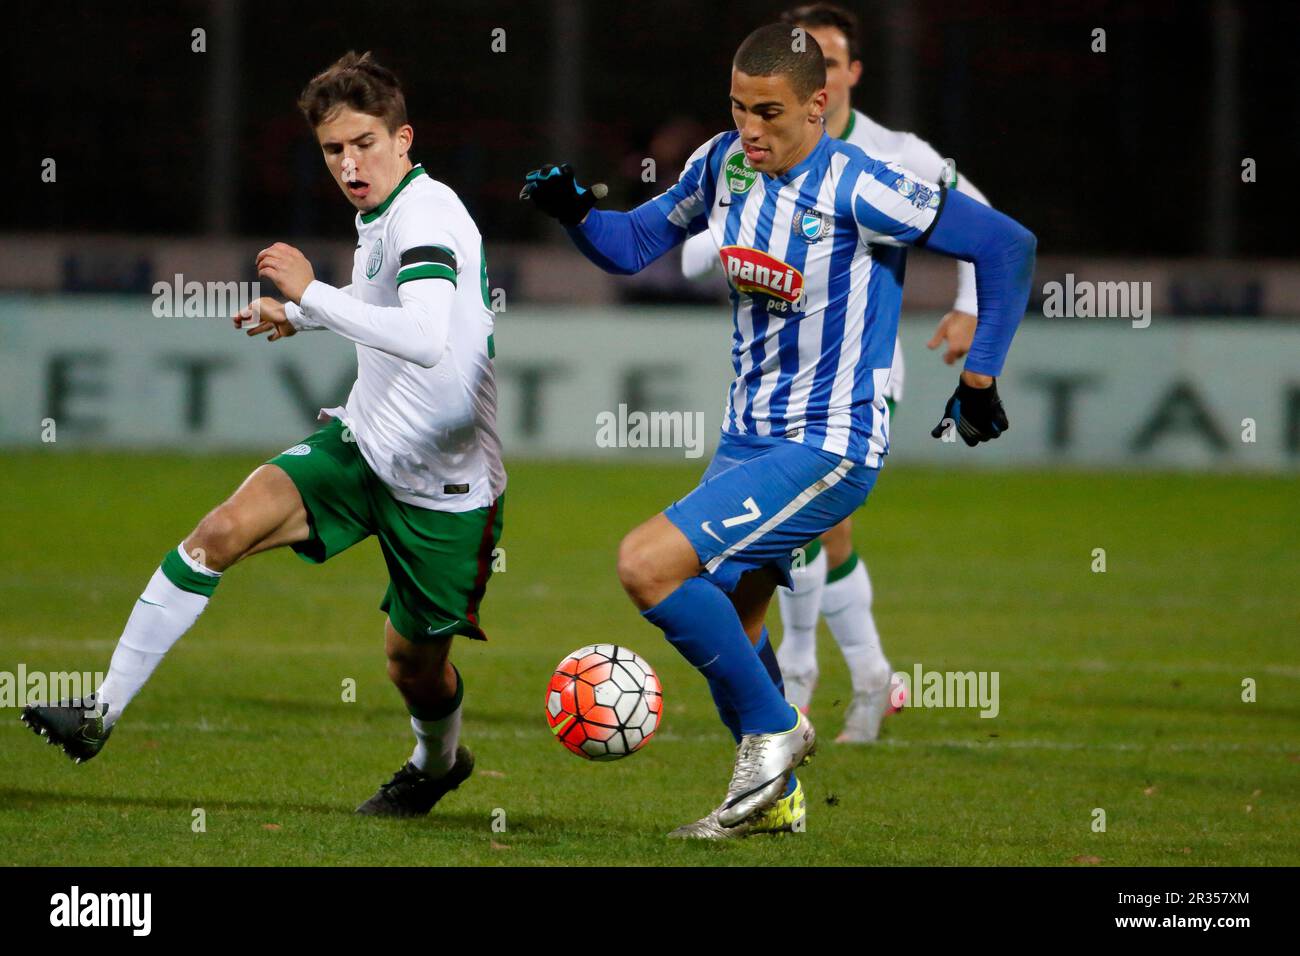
column 412, row 457
column 833, row 580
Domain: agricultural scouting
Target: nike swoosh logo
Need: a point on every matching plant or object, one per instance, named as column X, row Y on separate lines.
column 722, row 204
column 750, row 792
column 447, row 627
column 704, row 525
column 151, row 603
column 559, row 728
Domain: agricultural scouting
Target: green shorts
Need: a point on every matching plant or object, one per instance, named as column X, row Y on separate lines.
column 438, row 562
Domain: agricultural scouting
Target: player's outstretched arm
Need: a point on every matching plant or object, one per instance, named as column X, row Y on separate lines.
column 622, row 242
column 619, row 242
column 892, row 205
column 957, row 327
column 967, row 299
column 1002, row 251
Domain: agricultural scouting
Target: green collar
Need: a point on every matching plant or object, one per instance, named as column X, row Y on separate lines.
column 848, row 130
column 369, row 217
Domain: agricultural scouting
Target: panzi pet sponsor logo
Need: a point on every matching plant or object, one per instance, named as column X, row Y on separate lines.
column 753, row 272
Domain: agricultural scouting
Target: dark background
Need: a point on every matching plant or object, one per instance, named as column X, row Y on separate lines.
column 1104, row 153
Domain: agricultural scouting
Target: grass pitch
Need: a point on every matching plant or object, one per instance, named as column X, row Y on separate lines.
column 1119, row 690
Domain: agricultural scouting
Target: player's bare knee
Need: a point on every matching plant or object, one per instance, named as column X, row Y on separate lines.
column 638, row 571
column 218, row 541
column 420, row 679
column 405, row 674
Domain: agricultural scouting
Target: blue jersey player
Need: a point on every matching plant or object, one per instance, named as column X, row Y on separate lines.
column 812, row 233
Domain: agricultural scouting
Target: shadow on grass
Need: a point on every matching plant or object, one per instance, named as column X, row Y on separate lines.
column 467, row 822
column 18, row 799
column 388, row 710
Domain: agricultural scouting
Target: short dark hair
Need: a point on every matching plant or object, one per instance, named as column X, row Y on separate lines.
column 357, row 81
column 771, row 51
column 826, row 15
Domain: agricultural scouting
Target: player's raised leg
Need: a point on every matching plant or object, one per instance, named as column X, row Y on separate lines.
column 800, row 608
column 660, row 570
column 265, row 512
column 433, row 692
column 846, row 605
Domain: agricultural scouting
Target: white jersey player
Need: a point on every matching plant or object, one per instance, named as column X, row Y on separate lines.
column 833, row 581
column 412, row 458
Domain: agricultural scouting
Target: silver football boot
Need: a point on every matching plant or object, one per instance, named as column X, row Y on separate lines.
column 764, row 763
column 710, row 829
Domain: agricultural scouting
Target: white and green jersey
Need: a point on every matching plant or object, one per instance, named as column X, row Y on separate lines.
column 423, row 409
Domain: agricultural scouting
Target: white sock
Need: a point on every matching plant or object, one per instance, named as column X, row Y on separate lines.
column 846, row 605
column 160, row 616
column 435, row 743
column 799, row 608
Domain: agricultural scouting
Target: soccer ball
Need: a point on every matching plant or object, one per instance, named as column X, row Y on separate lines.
column 604, row 702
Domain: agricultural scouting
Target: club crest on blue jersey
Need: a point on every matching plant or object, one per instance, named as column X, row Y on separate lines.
column 375, row 260
column 811, row 224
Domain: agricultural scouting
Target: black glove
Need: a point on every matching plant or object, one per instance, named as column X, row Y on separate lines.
column 555, row 192
column 977, row 413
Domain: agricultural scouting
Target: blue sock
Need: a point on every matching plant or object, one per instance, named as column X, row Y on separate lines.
column 701, row 623
column 720, row 700
column 768, row 657
column 725, row 710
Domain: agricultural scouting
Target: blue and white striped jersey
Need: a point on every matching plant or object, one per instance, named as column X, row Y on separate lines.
column 815, row 259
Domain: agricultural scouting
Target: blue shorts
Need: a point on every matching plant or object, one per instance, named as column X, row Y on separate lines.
column 763, row 497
